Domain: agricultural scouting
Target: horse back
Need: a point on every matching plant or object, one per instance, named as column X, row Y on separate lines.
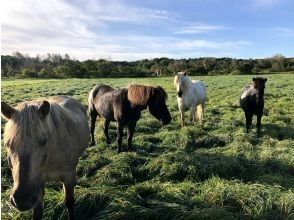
column 200, row 89
column 75, row 118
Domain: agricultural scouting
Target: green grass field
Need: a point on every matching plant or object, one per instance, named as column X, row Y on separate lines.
column 214, row 171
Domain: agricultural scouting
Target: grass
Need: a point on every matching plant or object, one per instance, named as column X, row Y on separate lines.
column 209, row 171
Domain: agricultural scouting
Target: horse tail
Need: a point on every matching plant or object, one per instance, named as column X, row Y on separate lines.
column 92, row 95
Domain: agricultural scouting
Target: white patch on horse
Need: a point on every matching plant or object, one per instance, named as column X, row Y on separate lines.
column 248, row 91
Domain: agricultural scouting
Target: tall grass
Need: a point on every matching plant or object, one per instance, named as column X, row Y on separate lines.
column 209, row 171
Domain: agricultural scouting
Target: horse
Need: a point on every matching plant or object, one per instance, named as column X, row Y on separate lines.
column 124, row 106
column 190, row 94
column 44, row 140
column 252, row 101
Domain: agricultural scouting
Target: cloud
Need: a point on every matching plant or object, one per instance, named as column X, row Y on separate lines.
column 87, row 31
column 198, row 29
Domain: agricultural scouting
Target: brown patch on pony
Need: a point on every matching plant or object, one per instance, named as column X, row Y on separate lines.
column 139, row 95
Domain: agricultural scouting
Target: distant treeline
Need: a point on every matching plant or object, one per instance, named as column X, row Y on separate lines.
column 58, row 66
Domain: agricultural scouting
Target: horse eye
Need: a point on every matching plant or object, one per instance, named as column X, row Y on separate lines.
column 43, row 141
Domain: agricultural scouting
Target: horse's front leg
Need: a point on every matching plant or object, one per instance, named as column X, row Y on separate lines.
column 182, row 114
column 248, row 121
column 105, row 128
column 258, row 123
column 93, row 117
column 69, row 199
column 131, row 129
column 119, row 130
column 38, row 209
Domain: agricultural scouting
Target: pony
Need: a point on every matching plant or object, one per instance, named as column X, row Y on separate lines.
column 44, row 140
column 252, row 101
column 191, row 94
column 124, row 106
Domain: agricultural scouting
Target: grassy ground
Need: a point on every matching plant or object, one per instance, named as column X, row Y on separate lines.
column 214, row 171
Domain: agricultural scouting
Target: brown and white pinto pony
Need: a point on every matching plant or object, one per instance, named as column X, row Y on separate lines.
column 124, row 106
column 252, row 101
column 44, row 140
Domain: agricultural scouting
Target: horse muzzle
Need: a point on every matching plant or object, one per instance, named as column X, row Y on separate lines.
column 23, row 203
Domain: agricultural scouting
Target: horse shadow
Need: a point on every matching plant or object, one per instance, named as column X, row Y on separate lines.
column 278, row 132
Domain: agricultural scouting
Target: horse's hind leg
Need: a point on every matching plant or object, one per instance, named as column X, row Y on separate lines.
column 131, row 129
column 93, row 117
column 192, row 115
column 202, row 109
column 106, row 126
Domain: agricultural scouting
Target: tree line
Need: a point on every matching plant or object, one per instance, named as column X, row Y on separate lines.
column 63, row 66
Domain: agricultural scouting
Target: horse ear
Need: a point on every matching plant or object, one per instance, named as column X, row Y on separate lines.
column 44, row 109
column 253, row 79
column 265, row 80
column 185, row 73
column 7, row 111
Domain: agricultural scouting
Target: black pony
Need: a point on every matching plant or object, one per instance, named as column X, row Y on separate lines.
column 124, row 106
column 252, row 101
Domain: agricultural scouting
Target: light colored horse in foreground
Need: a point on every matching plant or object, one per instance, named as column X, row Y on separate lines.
column 191, row 95
column 44, row 141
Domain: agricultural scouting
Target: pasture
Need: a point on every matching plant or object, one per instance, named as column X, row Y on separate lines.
column 209, row 171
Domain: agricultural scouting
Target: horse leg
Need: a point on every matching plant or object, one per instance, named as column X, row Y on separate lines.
column 93, row 117
column 202, row 111
column 38, row 209
column 119, row 129
column 248, row 121
column 258, row 123
column 131, row 129
column 192, row 115
column 182, row 115
column 69, row 199
column 106, row 126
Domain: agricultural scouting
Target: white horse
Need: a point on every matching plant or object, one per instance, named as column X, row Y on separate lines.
column 190, row 94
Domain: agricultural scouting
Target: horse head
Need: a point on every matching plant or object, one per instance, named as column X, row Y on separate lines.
column 152, row 97
column 179, row 82
column 25, row 136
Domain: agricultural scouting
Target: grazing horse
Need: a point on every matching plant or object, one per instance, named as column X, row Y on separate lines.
column 252, row 101
column 124, row 106
column 190, row 94
column 44, row 141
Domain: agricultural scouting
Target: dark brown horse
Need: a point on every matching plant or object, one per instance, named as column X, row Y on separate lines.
column 252, row 102
column 124, row 106
column 44, row 141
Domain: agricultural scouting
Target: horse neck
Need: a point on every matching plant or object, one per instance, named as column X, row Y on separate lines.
column 187, row 84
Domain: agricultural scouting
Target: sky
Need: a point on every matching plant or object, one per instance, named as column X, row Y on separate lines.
column 145, row 29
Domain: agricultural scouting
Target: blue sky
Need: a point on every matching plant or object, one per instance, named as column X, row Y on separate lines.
column 132, row 30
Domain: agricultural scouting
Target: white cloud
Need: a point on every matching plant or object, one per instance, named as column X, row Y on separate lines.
column 202, row 28
column 53, row 26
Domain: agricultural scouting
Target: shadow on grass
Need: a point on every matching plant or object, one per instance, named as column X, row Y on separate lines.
column 278, row 132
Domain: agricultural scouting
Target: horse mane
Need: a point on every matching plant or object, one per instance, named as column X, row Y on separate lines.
column 140, row 95
column 258, row 81
column 26, row 123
